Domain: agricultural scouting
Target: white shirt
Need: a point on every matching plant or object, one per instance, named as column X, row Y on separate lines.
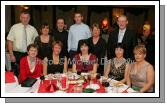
column 17, row 36
column 121, row 35
column 76, row 33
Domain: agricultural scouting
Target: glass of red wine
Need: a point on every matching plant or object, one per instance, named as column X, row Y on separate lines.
column 79, row 72
column 105, row 84
column 98, row 75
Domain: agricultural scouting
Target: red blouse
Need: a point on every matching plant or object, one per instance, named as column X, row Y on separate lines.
column 85, row 66
column 25, row 70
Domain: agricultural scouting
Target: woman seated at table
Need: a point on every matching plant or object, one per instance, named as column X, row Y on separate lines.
column 55, row 63
column 30, row 66
column 117, row 68
column 84, row 61
column 44, row 42
column 141, row 73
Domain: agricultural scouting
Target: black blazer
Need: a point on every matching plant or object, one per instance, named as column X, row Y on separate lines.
column 63, row 37
column 129, row 40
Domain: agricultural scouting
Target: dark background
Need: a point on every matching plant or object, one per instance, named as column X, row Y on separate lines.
column 137, row 14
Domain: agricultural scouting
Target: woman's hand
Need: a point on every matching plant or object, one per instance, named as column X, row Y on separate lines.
column 12, row 58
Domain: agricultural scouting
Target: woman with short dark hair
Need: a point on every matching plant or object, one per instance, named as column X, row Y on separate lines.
column 84, row 61
column 30, row 66
column 118, row 67
column 44, row 42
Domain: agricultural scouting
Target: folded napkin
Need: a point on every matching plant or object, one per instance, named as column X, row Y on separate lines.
column 101, row 89
column 9, row 77
column 70, row 88
column 45, row 84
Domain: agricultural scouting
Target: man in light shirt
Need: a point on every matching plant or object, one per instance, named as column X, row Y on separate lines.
column 20, row 36
column 77, row 32
column 122, row 35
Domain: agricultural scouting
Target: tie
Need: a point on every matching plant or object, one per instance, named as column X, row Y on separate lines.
column 24, row 40
column 120, row 36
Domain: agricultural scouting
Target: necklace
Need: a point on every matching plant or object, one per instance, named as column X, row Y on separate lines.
column 118, row 61
column 84, row 58
column 32, row 62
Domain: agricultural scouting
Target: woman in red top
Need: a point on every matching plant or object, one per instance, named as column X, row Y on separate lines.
column 84, row 61
column 30, row 66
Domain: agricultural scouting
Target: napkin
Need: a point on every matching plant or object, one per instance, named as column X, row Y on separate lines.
column 101, row 88
column 70, row 88
column 45, row 84
column 9, row 77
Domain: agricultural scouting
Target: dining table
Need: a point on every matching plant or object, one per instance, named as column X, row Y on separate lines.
column 70, row 83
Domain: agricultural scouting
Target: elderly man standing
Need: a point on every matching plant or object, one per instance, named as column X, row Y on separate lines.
column 20, row 36
column 122, row 35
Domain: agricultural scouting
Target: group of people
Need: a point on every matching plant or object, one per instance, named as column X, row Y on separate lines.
column 80, row 49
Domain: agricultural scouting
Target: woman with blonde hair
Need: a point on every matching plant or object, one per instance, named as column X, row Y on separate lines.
column 141, row 73
column 55, row 63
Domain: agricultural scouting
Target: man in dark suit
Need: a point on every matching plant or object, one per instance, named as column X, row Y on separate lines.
column 62, row 35
column 122, row 35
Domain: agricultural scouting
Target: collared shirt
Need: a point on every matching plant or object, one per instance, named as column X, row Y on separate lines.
column 121, row 35
column 76, row 33
column 17, row 36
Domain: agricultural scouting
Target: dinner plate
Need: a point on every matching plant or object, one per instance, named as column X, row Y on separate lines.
column 130, row 90
column 60, row 91
column 75, row 81
column 93, row 86
column 85, row 74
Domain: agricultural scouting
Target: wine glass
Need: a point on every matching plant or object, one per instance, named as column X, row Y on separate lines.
column 105, row 84
column 79, row 72
column 42, row 78
column 98, row 75
column 89, row 79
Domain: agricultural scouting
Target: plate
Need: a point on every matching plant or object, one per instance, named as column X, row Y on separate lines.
column 59, row 91
column 117, row 84
column 85, row 74
column 75, row 82
column 93, row 86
